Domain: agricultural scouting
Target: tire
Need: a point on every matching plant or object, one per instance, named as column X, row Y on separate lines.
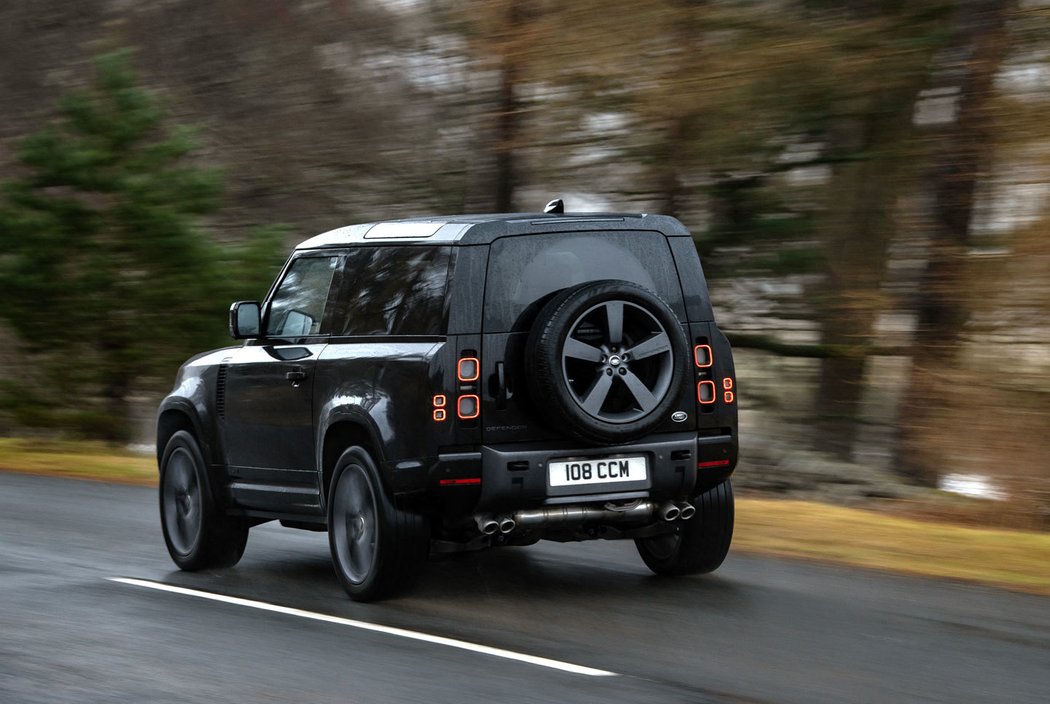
column 700, row 544
column 197, row 532
column 378, row 550
column 606, row 361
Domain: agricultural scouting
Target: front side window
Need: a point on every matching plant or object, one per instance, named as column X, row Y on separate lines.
column 298, row 306
column 394, row 290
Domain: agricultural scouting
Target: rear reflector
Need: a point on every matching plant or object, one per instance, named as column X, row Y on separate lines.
column 712, row 463
column 460, row 482
column 468, row 406
column 705, row 392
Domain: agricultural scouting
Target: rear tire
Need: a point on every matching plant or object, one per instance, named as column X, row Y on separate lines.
column 197, row 532
column 378, row 550
column 700, row 544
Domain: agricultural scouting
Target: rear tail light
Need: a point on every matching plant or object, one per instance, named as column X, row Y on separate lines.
column 468, row 406
column 703, row 357
column 727, row 383
column 728, row 397
column 468, row 369
column 439, row 413
column 705, row 392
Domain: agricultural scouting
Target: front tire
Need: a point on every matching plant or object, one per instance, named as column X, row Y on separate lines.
column 197, row 533
column 377, row 549
column 700, row 544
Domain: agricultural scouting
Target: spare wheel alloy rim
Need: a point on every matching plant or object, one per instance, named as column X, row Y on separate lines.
column 617, row 362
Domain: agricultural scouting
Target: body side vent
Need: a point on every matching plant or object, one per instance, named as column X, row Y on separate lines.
column 220, row 391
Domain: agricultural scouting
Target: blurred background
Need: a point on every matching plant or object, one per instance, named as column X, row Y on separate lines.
column 867, row 182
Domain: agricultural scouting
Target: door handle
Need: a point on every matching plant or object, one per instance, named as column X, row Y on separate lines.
column 501, row 386
column 295, row 376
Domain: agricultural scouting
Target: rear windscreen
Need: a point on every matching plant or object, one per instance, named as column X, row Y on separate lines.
column 524, row 271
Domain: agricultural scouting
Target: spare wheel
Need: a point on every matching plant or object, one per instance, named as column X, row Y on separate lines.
column 606, row 361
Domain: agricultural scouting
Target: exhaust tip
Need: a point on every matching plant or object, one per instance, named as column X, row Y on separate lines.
column 669, row 512
column 686, row 511
column 486, row 524
column 506, row 524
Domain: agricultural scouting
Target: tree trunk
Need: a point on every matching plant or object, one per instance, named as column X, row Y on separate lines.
column 506, row 136
column 507, row 115
column 859, row 229
column 961, row 161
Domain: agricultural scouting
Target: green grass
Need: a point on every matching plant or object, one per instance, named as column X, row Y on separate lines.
column 1012, row 559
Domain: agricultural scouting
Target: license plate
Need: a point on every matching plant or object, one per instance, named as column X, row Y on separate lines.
column 597, row 471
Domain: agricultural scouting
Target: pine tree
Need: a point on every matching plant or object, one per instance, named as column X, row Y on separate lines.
column 105, row 273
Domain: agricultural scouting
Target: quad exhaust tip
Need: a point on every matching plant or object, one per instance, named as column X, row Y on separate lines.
column 487, row 524
column 668, row 511
column 686, row 511
column 506, row 524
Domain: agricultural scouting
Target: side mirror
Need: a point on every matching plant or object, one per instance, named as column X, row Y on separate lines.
column 244, row 320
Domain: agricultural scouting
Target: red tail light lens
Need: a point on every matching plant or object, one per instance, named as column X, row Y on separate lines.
column 468, row 407
column 469, row 369
column 440, row 415
column 702, row 356
column 705, row 392
column 727, row 384
column 729, row 397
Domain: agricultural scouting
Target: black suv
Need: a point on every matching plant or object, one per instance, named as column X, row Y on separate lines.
column 448, row 384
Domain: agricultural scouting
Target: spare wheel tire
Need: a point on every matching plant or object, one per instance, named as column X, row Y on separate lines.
column 606, row 360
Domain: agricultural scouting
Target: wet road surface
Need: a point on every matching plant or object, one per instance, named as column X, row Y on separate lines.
column 568, row 623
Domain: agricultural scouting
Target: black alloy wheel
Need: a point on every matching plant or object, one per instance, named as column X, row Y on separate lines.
column 197, row 532
column 617, row 361
column 377, row 549
column 182, row 502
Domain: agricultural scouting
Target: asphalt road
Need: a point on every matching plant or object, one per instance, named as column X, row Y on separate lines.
column 759, row 630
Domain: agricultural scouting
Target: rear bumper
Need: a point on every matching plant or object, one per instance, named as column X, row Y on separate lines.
column 516, row 476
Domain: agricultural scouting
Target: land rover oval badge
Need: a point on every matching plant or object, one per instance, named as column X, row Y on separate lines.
column 679, row 416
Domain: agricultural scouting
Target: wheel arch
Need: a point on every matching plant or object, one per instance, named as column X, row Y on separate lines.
column 175, row 416
column 343, row 431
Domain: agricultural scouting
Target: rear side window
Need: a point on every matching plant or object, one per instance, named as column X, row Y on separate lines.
column 523, row 271
column 397, row 290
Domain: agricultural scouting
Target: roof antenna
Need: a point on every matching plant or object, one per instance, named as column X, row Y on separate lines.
column 556, row 207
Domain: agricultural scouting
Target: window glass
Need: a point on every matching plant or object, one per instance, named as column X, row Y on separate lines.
column 523, row 271
column 398, row 290
column 298, row 307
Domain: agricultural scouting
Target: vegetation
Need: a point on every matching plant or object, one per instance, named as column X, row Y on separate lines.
column 867, row 181
column 105, row 275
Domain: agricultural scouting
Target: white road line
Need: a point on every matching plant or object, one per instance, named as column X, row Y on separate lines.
column 365, row 626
